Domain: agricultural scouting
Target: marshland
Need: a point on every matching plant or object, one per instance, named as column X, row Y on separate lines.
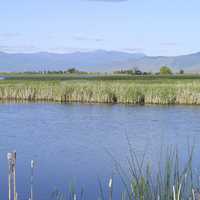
column 122, row 89
column 99, row 100
column 91, row 139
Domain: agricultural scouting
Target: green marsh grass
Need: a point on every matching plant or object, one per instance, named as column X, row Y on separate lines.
column 108, row 89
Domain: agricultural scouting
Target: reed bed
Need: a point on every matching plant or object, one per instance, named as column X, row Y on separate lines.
column 123, row 92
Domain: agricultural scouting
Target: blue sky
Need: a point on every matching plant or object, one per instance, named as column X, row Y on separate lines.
column 155, row 27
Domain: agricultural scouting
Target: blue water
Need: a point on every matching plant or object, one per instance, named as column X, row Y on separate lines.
column 2, row 78
column 72, row 143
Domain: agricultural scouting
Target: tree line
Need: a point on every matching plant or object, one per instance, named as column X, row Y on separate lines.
column 164, row 70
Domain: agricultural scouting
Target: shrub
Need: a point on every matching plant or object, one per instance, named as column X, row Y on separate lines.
column 164, row 70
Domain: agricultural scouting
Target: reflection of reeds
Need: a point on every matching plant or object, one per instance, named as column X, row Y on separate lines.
column 103, row 92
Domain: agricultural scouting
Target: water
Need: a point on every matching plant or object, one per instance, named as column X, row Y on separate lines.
column 2, row 78
column 70, row 143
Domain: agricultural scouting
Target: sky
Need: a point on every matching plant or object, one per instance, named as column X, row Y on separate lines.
column 153, row 27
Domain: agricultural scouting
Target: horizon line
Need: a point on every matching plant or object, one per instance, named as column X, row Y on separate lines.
column 96, row 50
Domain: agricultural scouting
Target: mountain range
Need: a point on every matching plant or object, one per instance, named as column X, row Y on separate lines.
column 99, row 60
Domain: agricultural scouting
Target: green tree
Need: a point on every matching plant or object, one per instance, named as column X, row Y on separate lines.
column 164, row 70
column 72, row 70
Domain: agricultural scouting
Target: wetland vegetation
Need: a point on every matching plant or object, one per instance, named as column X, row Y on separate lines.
column 102, row 88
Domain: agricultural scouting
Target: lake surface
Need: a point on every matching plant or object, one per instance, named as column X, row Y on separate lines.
column 2, row 78
column 70, row 143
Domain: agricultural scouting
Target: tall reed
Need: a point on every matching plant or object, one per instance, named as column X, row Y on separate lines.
column 167, row 180
column 125, row 92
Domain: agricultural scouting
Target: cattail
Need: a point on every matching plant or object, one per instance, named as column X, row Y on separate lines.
column 127, row 92
column 174, row 193
column 110, row 188
column 31, row 180
column 110, row 183
column 193, row 194
column 12, row 175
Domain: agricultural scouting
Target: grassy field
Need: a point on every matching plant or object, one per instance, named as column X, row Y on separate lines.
column 151, row 89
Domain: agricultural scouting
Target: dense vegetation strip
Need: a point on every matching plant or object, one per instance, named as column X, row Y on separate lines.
column 138, row 90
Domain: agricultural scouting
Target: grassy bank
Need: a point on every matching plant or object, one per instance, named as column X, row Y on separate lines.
column 103, row 89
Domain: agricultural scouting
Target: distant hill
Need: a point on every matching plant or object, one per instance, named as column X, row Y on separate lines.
column 86, row 61
column 99, row 60
column 189, row 63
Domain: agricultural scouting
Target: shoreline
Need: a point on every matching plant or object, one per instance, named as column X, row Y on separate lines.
column 28, row 102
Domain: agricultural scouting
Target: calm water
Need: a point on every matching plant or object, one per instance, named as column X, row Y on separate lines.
column 70, row 143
